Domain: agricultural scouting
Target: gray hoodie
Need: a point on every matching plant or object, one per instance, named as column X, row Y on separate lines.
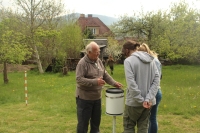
column 142, row 79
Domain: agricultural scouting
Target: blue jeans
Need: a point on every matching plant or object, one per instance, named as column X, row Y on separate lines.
column 153, row 124
column 88, row 111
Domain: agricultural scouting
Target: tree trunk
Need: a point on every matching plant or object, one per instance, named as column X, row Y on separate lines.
column 5, row 74
column 38, row 60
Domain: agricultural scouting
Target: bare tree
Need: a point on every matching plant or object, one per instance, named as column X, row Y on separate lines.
column 34, row 14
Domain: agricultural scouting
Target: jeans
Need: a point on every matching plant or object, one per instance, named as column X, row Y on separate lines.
column 153, row 124
column 88, row 111
column 136, row 116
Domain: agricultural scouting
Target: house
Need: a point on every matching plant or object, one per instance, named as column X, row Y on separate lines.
column 98, row 28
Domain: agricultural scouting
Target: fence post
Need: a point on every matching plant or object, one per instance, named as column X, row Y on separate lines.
column 25, row 85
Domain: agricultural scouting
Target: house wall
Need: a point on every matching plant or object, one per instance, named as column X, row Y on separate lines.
column 96, row 30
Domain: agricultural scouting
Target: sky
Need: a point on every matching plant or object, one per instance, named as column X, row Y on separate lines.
column 116, row 8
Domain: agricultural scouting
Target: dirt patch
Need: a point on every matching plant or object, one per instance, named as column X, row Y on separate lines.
column 17, row 67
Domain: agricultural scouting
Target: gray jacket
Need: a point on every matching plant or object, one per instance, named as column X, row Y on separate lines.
column 87, row 73
column 142, row 79
column 159, row 67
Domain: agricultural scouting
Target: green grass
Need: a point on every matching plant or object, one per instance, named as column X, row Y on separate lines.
column 51, row 102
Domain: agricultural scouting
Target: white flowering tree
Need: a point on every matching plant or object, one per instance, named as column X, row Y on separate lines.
column 113, row 48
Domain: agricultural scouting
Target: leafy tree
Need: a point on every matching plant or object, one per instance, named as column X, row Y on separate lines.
column 113, row 48
column 174, row 34
column 12, row 49
column 183, row 33
column 34, row 14
column 125, row 26
column 70, row 40
column 47, row 42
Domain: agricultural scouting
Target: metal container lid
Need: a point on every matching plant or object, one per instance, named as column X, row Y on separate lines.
column 115, row 90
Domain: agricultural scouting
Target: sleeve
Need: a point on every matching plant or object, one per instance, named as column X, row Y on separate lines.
column 159, row 67
column 132, row 87
column 154, row 85
column 81, row 71
column 160, row 71
column 108, row 79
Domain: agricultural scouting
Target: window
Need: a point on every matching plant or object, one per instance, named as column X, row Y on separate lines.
column 93, row 31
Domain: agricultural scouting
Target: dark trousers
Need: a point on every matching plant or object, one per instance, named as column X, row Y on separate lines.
column 111, row 68
column 88, row 111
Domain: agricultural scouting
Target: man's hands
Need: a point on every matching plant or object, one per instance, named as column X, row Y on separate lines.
column 147, row 104
column 118, row 85
column 100, row 81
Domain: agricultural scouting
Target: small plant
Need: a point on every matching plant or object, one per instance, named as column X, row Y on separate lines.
column 57, row 66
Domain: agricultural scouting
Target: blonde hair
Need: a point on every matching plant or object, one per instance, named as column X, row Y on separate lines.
column 144, row 47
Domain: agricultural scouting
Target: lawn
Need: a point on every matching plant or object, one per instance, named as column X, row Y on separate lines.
column 51, row 102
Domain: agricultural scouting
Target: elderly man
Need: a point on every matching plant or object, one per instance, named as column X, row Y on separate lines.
column 90, row 77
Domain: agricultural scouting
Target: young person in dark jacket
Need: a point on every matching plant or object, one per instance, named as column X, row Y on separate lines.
column 90, row 78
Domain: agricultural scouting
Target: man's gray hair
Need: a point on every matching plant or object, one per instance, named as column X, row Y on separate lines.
column 89, row 46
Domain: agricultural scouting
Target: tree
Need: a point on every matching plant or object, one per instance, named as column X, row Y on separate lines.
column 34, row 13
column 113, row 48
column 12, row 49
column 47, row 41
column 174, row 34
column 71, row 40
column 125, row 27
column 183, row 33
column 64, row 41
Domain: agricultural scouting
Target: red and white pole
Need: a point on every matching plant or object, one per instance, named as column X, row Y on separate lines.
column 25, row 85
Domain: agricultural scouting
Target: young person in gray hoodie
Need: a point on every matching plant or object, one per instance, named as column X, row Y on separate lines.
column 90, row 78
column 153, row 124
column 142, row 79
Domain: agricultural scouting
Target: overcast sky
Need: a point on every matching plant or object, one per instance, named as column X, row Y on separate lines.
column 115, row 8
column 121, row 7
